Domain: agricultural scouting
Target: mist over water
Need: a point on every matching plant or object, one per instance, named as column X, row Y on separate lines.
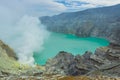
column 21, row 30
column 29, row 37
column 69, row 43
column 26, row 36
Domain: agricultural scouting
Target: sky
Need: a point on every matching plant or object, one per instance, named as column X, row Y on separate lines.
column 77, row 5
column 50, row 7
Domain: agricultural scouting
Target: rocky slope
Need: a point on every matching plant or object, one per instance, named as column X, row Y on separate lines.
column 103, row 65
column 11, row 69
column 99, row 22
column 104, row 62
column 7, row 57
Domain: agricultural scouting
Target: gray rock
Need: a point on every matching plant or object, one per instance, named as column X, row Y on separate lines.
column 98, row 22
column 66, row 63
column 8, row 50
column 101, row 61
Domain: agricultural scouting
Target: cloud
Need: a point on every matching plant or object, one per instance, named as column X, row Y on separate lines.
column 33, row 7
column 43, row 7
column 12, row 11
column 102, row 2
column 76, row 5
column 52, row 7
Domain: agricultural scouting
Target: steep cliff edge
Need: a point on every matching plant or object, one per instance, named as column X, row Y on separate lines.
column 105, row 62
column 98, row 22
column 64, row 66
column 11, row 69
column 8, row 58
column 9, row 51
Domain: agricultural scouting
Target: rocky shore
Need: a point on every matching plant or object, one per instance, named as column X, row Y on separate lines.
column 96, row 22
column 103, row 22
column 105, row 61
column 102, row 65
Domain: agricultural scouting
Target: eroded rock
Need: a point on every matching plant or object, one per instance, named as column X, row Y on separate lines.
column 105, row 60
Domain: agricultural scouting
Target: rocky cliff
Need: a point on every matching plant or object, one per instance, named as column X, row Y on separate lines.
column 104, row 62
column 9, row 51
column 102, row 65
column 11, row 69
column 7, row 57
column 101, row 22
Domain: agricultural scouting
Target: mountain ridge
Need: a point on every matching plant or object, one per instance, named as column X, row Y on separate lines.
column 103, row 22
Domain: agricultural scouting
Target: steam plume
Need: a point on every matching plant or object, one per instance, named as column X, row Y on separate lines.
column 19, row 29
column 32, row 35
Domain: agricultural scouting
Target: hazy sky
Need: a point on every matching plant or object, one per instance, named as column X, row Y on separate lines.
column 50, row 7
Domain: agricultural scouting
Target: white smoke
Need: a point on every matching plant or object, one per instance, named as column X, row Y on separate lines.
column 26, row 37
column 23, row 32
column 30, row 36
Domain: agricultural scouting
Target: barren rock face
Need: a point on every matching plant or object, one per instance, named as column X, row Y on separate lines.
column 8, row 59
column 103, row 65
column 9, row 51
column 104, row 61
column 99, row 22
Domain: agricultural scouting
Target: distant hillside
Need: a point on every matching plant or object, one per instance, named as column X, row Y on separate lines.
column 98, row 22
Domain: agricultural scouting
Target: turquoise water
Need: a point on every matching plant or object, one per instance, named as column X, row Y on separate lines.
column 69, row 43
